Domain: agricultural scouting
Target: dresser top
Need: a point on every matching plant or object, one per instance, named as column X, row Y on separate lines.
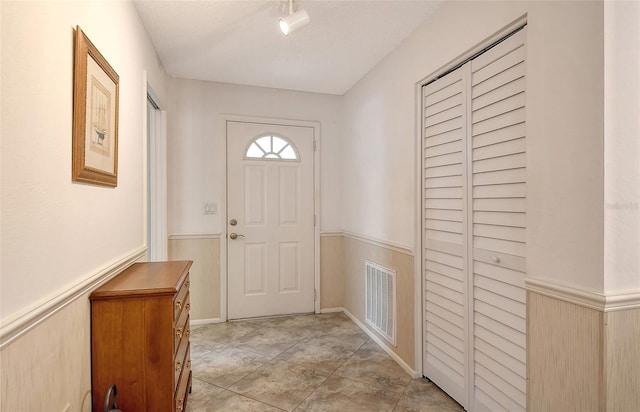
column 146, row 279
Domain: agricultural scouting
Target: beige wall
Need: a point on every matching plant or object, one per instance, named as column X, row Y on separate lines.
column 60, row 238
column 204, row 274
column 622, row 360
column 331, row 271
column 356, row 251
column 50, row 366
column 622, row 145
column 564, row 356
column 581, row 359
column 75, row 229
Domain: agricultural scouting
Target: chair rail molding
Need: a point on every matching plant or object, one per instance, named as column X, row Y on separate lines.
column 605, row 302
column 184, row 236
column 17, row 326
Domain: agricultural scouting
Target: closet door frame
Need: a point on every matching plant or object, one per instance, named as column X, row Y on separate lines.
column 420, row 186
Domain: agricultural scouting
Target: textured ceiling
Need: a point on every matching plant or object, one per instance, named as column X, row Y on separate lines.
column 238, row 41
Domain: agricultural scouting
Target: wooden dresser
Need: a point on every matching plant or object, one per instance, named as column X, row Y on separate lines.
column 140, row 338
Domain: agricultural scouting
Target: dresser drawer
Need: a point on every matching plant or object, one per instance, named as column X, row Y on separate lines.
column 181, row 357
column 180, row 301
column 181, row 329
column 183, row 384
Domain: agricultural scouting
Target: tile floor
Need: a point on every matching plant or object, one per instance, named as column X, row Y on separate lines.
column 301, row 363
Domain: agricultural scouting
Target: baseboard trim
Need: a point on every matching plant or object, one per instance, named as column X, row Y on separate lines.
column 593, row 300
column 413, row 373
column 205, row 321
column 331, row 310
column 20, row 325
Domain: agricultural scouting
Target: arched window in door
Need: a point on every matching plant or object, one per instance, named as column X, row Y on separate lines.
column 270, row 146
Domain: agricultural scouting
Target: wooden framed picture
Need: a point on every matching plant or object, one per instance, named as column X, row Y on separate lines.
column 95, row 115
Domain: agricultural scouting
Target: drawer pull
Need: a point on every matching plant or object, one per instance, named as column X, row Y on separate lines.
column 178, row 305
column 188, row 332
column 178, row 366
column 179, row 405
column 179, row 332
column 187, row 283
column 187, row 307
column 189, row 364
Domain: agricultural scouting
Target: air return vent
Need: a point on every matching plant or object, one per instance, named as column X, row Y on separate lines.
column 380, row 300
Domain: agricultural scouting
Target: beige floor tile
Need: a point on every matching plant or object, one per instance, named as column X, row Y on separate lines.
column 422, row 395
column 223, row 333
column 280, row 384
column 228, row 401
column 201, row 393
column 338, row 394
column 267, row 341
column 226, row 366
column 324, row 353
column 370, row 364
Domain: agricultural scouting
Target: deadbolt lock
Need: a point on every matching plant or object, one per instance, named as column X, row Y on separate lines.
column 233, row 222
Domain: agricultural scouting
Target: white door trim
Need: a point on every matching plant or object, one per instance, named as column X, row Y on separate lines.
column 155, row 171
column 223, row 201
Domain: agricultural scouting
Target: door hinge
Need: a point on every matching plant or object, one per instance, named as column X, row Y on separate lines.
column 315, row 295
column 314, row 146
column 314, row 220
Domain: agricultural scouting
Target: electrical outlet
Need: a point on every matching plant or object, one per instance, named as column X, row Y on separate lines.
column 67, row 408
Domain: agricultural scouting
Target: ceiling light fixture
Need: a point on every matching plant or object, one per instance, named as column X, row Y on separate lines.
column 293, row 21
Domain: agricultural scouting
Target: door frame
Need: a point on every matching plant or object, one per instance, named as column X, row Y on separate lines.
column 224, row 273
column 155, row 171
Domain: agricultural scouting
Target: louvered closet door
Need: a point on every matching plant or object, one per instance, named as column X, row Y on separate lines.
column 499, row 221
column 474, row 230
column 445, row 234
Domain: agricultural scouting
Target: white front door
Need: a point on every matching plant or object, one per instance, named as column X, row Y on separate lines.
column 270, row 219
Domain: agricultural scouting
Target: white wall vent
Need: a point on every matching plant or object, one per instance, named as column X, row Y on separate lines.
column 380, row 299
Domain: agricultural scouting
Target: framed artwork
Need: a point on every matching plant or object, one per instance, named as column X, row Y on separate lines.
column 95, row 115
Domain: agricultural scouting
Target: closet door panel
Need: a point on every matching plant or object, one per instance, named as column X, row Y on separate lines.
column 505, row 134
column 500, row 191
column 515, row 342
column 513, row 161
column 499, row 225
column 499, row 149
column 498, row 122
column 511, row 88
column 442, row 138
column 514, row 205
column 511, row 74
column 499, row 107
column 445, row 234
column 443, row 148
column 474, row 229
column 447, row 215
column 499, row 218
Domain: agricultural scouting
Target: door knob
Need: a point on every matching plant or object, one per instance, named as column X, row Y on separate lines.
column 235, row 235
